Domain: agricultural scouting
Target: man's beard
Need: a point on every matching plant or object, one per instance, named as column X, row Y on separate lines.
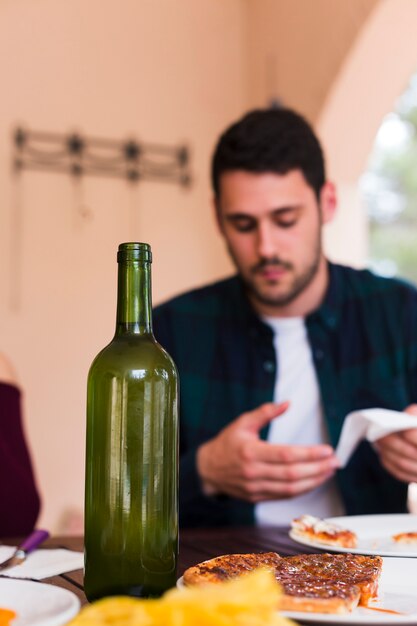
column 298, row 285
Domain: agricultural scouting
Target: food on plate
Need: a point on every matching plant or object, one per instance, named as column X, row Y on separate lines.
column 249, row 600
column 410, row 537
column 6, row 617
column 320, row 583
column 321, row 531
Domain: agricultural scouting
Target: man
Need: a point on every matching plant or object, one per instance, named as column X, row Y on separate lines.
column 273, row 359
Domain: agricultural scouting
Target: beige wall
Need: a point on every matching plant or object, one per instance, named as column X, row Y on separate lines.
column 296, row 48
column 163, row 70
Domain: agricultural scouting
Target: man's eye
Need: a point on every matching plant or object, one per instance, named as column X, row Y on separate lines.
column 282, row 223
column 244, row 226
column 286, row 219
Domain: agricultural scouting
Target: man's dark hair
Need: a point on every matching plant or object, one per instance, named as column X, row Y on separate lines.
column 270, row 140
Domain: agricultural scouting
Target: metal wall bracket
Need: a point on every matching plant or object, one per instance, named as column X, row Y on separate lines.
column 79, row 155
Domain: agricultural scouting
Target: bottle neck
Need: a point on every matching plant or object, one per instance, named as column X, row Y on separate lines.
column 134, row 301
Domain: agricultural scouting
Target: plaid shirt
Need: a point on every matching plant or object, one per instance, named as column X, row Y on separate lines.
column 364, row 346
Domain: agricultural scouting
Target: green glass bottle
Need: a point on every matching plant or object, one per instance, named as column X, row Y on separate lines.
column 131, row 493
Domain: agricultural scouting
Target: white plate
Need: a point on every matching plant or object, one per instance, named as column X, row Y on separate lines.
column 374, row 534
column 37, row 604
column 397, row 592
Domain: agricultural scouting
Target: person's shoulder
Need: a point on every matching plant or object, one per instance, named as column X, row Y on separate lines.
column 208, row 298
column 365, row 282
column 7, row 371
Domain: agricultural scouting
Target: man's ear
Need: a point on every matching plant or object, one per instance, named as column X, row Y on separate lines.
column 328, row 202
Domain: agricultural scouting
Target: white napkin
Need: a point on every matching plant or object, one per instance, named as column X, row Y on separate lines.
column 370, row 424
column 42, row 563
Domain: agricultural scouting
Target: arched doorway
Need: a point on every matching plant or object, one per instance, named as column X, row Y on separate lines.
column 390, row 189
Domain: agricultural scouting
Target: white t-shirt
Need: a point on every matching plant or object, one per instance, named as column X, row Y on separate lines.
column 302, row 424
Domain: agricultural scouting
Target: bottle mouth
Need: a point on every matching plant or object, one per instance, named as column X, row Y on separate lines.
column 134, row 251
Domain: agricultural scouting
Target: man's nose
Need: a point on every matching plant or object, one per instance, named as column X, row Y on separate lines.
column 266, row 243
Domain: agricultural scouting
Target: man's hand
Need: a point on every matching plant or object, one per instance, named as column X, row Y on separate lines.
column 398, row 451
column 238, row 463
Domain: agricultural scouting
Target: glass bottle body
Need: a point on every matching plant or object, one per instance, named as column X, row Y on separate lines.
column 131, row 499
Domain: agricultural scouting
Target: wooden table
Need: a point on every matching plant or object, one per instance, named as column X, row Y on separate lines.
column 195, row 545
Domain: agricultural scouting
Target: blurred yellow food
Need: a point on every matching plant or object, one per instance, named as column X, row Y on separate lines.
column 6, row 617
column 250, row 600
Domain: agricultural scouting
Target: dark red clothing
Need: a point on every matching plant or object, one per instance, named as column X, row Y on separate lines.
column 19, row 499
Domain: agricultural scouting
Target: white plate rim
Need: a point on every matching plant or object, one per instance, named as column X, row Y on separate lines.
column 61, row 617
column 393, row 523
column 363, row 615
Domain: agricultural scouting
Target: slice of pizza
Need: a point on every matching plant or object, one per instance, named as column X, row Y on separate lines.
column 321, row 531
column 229, row 566
column 410, row 538
column 320, row 583
column 354, row 570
